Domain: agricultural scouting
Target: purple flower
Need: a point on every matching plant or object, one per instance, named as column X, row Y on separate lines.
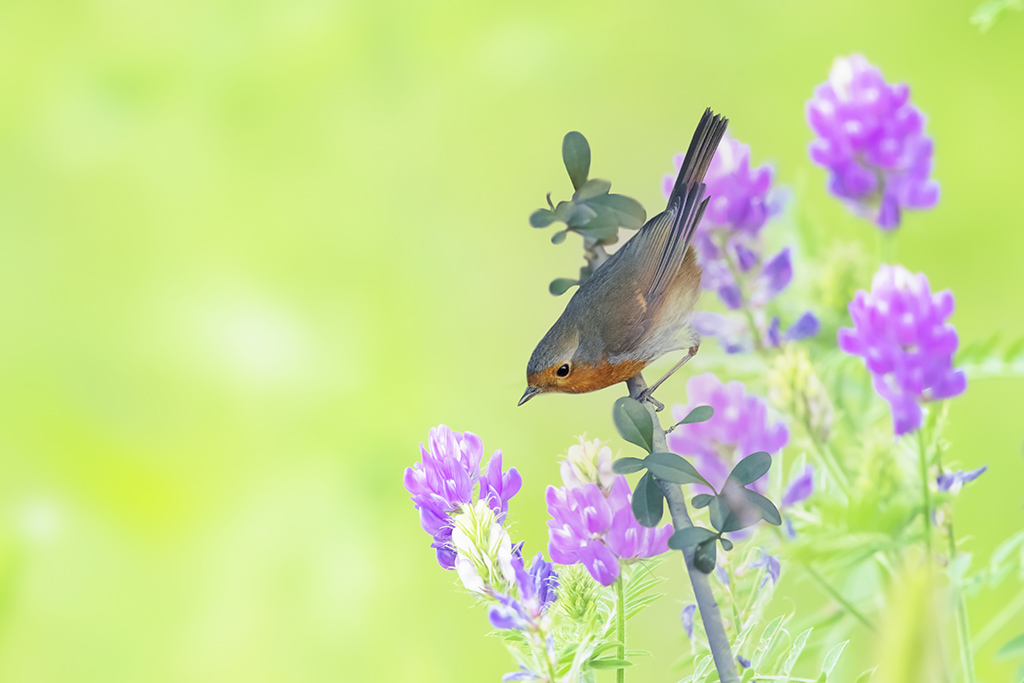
column 739, row 427
column 741, row 197
column 688, row 620
column 900, row 330
column 871, row 139
column 771, row 566
column 588, row 528
column 523, row 674
column 729, row 242
column 953, row 481
column 800, row 487
column 443, row 483
column 744, row 662
column 536, row 589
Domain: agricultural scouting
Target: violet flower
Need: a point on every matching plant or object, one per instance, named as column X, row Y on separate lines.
column 536, row 589
column 599, row 532
column 740, row 426
column 772, row 568
column 900, row 330
column 443, row 483
column 687, row 618
column 729, row 242
column 871, row 139
column 953, row 481
column 800, row 487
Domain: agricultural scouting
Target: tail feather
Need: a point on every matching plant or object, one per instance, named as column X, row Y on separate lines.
column 701, row 151
column 687, row 202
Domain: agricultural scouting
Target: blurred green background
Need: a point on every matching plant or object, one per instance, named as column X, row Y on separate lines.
column 252, row 251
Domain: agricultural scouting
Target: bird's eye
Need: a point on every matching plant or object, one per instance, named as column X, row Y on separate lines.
column 563, row 371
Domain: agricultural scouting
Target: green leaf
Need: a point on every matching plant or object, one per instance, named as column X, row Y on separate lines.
column 576, row 157
column 542, row 218
column 629, row 213
column 726, row 543
column 673, row 468
column 698, row 414
column 628, row 465
column 561, row 285
column 794, row 652
column 769, row 512
column 832, row 657
column 634, row 423
column 648, row 501
column 594, row 187
column 559, row 237
column 580, row 216
column 1011, row 649
column 751, row 468
column 701, row 500
column 563, row 210
column 987, row 13
column 866, row 676
column 1013, row 350
column 684, row 538
column 609, row 663
column 600, row 226
column 705, row 555
column 723, row 517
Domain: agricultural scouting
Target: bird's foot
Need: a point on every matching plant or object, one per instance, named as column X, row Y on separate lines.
column 646, row 397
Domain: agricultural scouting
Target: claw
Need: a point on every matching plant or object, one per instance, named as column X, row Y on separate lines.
column 645, row 397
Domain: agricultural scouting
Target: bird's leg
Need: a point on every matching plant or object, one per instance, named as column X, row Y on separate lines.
column 647, row 393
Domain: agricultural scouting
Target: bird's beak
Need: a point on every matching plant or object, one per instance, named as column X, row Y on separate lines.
column 528, row 394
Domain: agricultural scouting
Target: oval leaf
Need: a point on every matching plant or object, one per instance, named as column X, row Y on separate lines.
column 559, row 237
column 832, row 657
column 561, row 285
column 628, row 465
column 701, row 500
column 726, row 517
column 705, row 555
column 673, row 468
column 609, row 663
column 576, row 157
column 542, row 218
column 1011, row 649
column 629, row 213
column 794, row 652
column 765, row 507
column 594, row 187
column 692, row 535
column 726, row 544
column 751, row 468
column 698, row 414
column 648, row 501
column 634, row 423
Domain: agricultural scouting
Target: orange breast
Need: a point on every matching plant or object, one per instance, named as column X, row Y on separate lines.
column 586, row 378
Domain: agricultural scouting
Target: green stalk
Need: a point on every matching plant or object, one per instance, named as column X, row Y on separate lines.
column 620, row 618
column 963, row 628
column 925, row 492
column 837, row 596
column 1012, row 609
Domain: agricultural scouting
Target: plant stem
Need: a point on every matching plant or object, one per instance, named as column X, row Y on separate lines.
column 925, row 492
column 734, row 271
column 1012, row 609
column 710, row 615
column 830, row 463
column 963, row 628
column 620, row 618
column 837, row 596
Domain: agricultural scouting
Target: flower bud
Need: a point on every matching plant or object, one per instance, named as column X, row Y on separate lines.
column 794, row 388
column 589, row 462
column 483, row 550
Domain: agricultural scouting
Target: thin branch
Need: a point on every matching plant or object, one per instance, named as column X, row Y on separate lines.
column 710, row 615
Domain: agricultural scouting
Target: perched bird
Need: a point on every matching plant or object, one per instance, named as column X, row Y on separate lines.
column 638, row 306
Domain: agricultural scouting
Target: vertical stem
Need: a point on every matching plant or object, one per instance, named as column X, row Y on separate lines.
column 620, row 618
column 710, row 615
column 963, row 628
column 755, row 333
column 925, row 492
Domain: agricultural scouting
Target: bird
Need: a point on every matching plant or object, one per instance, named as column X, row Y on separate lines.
column 638, row 305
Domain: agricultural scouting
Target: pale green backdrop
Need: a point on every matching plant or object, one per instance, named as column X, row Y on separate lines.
column 251, row 251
